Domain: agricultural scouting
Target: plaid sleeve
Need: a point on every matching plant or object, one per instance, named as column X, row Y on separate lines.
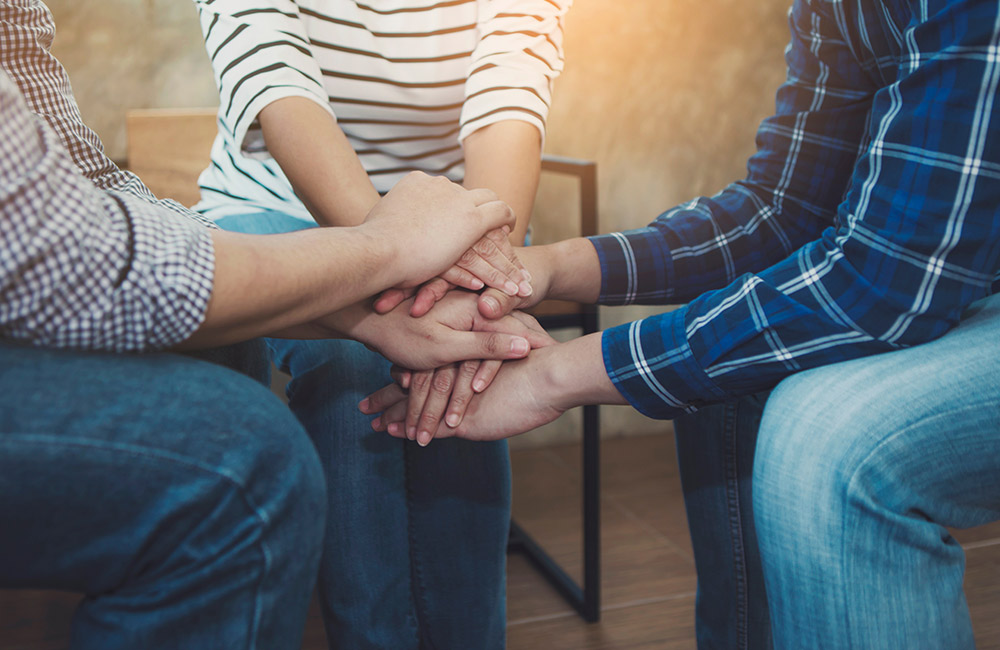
column 912, row 242
column 84, row 268
column 26, row 35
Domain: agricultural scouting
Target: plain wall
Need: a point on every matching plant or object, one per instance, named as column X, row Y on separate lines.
column 664, row 94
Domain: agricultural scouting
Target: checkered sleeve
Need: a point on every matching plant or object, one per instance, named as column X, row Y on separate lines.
column 26, row 34
column 855, row 251
column 84, row 268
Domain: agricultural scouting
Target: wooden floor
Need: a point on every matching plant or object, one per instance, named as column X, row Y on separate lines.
column 648, row 581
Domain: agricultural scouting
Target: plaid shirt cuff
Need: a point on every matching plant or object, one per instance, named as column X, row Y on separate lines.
column 651, row 363
column 636, row 267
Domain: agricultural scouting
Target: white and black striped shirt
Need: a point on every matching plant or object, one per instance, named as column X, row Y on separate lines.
column 406, row 80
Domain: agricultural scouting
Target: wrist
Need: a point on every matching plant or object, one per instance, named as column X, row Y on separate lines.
column 573, row 374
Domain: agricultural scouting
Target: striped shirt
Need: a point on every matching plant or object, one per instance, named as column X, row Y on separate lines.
column 868, row 221
column 89, row 259
column 406, row 81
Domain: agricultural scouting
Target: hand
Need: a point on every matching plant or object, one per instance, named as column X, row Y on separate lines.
column 524, row 395
column 445, row 393
column 455, row 331
column 491, row 262
column 516, row 402
column 430, row 222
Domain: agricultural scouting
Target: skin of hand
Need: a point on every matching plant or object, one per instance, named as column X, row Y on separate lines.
column 504, row 157
column 269, row 284
column 525, row 394
column 328, row 177
column 445, row 393
column 455, row 332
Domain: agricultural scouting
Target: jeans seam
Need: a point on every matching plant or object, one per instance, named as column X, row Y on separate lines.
column 417, row 589
column 730, row 430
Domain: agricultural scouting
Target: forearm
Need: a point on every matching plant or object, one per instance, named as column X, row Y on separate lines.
column 281, row 284
column 566, row 270
column 318, row 160
column 506, row 158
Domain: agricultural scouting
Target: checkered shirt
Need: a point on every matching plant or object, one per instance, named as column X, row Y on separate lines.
column 89, row 259
column 868, row 221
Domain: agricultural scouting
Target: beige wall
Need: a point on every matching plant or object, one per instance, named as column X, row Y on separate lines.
column 664, row 94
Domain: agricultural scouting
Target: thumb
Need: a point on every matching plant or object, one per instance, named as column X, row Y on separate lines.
column 496, row 214
column 488, row 345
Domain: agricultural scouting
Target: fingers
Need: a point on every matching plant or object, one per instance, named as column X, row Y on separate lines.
column 382, row 399
column 420, row 388
column 463, row 391
column 528, row 328
column 436, row 403
column 390, row 299
column 495, row 304
column 401, row 376
column 482, row 196
column 486, row 261
column 488, row 345
column 485, row 374
column 433, row 291
column 496, row 214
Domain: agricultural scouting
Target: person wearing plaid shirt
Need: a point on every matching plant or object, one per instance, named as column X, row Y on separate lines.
column 854, row 268
column 182, row 498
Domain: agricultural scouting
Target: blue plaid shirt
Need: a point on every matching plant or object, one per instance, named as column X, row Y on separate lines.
column 868, row 220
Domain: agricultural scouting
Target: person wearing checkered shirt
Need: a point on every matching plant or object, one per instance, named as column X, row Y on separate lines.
column 181, row 497
column 853, row 271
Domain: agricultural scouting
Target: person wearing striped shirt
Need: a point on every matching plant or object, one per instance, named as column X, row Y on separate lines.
column 324, row 106
column 853, row 271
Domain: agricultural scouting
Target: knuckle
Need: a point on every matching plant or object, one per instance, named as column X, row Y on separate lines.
column 468, row 257
column 420, row 381
column 468, row 370
column 441, row 383
column 458, row 402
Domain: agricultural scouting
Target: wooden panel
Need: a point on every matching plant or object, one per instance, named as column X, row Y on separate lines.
column 169, row 148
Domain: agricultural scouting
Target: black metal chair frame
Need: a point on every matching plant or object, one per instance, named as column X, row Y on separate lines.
column 586, row 600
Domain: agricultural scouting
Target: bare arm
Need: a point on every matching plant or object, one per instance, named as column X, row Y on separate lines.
column 506, row 158
column 268, row 284
column 315, row 155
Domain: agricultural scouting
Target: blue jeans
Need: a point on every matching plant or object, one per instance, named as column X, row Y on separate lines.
column 415, row 550
column 182, row 498
column 832, row 496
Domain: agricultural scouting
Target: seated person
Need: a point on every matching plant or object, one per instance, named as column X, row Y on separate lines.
column 325, row 105
column 853, row 271
column 181, row 497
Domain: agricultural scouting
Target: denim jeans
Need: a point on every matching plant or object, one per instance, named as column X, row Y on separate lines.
column 182, row 498
column 836, row 491
column 415, row 548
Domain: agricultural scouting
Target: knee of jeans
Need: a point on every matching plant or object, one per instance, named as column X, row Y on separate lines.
column 808, row 451
column 333, row 369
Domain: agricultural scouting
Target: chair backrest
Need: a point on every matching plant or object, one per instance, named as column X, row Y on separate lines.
column 169, row 148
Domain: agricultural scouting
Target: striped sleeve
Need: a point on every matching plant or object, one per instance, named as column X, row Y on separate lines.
column 260, row 53
column 519, row 55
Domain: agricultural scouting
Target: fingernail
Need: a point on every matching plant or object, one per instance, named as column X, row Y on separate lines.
column 526, row 289
column 492, row 304
column 452, row 420
column 527, row 276
column 510, row 288
column 411, row 433
column 394, row 428
column 423, row 438
column 363, row 406
column 376, row 423
column 479, row 385
column 477, row 283
column 519, row 346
